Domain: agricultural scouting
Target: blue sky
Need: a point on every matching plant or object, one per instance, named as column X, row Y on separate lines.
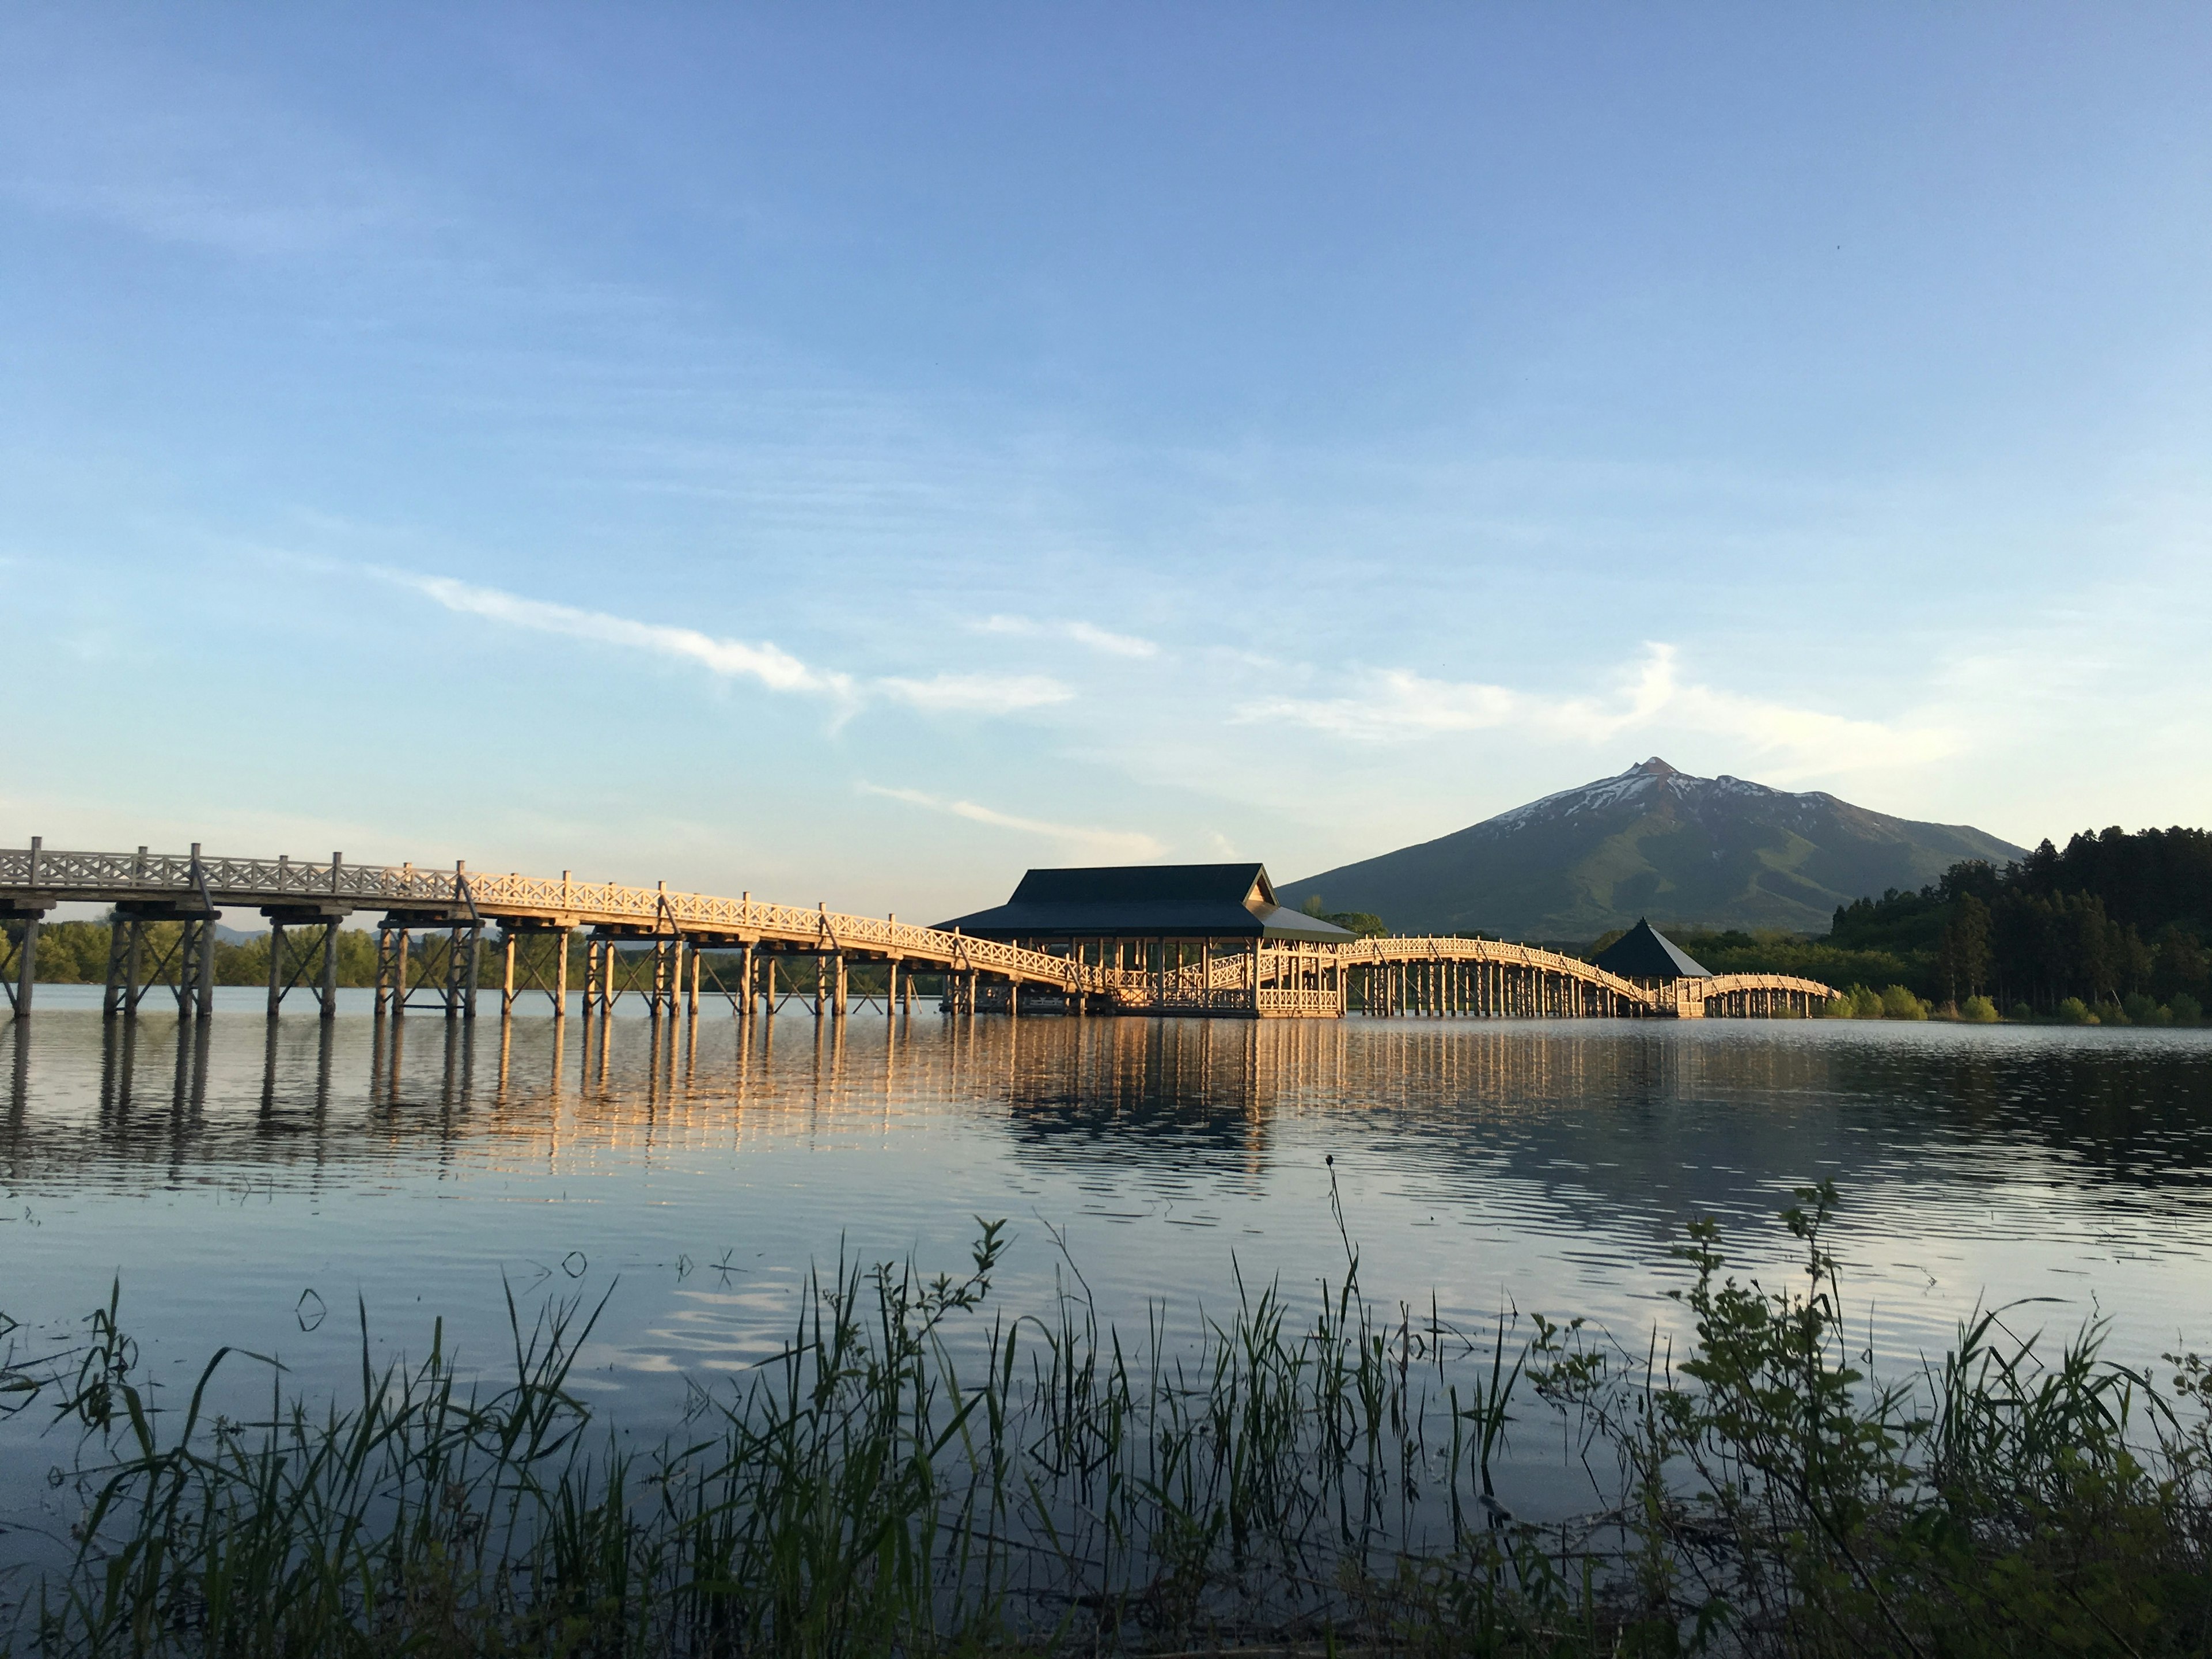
column 857, row 454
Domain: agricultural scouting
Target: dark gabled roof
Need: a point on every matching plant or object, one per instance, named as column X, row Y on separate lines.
column 1142, row 900
column 1644, row 953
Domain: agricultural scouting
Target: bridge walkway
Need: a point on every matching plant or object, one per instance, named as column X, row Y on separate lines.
column 306, row 901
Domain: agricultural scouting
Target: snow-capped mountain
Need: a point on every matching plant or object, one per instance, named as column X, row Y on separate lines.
column 1652, row 841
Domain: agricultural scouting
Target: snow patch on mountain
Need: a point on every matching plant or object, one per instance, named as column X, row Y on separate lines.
column 1650, row 778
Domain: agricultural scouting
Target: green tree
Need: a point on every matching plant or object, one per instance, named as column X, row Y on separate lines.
column 1962, row 953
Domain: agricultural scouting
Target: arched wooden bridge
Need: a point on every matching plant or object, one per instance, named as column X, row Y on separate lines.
column 431, row 939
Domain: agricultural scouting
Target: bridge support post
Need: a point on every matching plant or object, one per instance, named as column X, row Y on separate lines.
column 201, row 963
column 383, row 971
column 275, row 967
column 506, row 972
column 838, row 969
column 25, row 963
column 691, row 1007
column 767, row 982
column 471, row 968
column 890, row 989
column 561, row 979
column 121, row 991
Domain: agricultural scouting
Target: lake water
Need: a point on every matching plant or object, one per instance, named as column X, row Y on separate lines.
column 260, row 1188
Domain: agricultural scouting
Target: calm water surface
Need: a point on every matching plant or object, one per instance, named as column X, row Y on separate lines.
column 263, row 1188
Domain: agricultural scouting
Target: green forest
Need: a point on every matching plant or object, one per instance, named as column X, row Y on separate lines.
column 2111, row 929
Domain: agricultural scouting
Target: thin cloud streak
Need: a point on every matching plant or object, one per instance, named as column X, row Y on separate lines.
column 1397, row 705
column 980, row 694
column 770, row 665
column 1125, row 844
column 1083, row 633
column 763, row 662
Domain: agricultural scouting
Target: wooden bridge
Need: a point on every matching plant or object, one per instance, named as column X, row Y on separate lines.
column 432, row 951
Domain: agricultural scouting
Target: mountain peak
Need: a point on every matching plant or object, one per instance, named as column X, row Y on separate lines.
column 1651, row 840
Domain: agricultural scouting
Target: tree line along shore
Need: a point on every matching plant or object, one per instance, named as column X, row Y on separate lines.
column 2111, row 930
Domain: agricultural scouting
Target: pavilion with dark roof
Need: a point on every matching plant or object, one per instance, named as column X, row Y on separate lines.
column 1207, row 937
column 1189, row 902
column 1646, row 953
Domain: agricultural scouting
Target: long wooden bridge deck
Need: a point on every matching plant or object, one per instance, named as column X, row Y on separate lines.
column 431, row 950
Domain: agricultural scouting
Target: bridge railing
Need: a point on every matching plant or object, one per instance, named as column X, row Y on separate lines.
column 1432, row 948
column 272, row 881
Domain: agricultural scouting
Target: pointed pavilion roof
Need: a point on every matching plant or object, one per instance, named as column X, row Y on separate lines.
column 1644, row 953
column 1173, row 901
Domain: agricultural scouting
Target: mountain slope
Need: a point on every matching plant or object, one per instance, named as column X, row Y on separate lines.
column 1654, row 842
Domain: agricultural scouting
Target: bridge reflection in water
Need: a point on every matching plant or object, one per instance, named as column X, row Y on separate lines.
column 159, row 1101
column 439, row 930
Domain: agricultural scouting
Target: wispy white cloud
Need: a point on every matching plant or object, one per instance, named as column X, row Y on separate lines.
column 766, row 663
column 981, row 694
column 1083, row 633
column 1086, row 839
column 761, row 661
column 1397, row 705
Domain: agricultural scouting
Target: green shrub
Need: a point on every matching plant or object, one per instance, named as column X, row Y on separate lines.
column 1979, row 1011
column 2186, row 1010
column 2021, row 1010
column 1897, row 1003
column 2074, row 1012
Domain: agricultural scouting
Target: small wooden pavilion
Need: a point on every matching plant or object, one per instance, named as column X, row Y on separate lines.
column 1648, row 955
column 1198, row 939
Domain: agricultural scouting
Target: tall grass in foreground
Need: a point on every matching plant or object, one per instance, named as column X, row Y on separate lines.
column 1321, row 1480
